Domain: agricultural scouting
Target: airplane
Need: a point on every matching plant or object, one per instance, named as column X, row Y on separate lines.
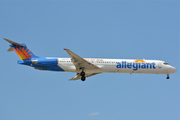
column 87, row 67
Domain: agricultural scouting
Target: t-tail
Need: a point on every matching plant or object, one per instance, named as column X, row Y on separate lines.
column 21, row 50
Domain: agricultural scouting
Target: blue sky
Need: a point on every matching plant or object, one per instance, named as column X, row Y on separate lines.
column 91, row 29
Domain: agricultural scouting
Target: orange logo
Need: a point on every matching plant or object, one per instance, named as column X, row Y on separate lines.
column 139, row 61
column 23, row 52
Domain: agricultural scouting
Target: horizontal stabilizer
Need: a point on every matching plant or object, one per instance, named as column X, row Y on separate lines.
column 10, row 49
column 13, row 43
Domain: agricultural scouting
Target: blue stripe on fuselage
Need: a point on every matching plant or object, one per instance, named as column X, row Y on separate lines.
column 42, row 64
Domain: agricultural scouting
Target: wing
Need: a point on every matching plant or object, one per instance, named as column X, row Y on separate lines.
column 79, row 62
column 78, row 76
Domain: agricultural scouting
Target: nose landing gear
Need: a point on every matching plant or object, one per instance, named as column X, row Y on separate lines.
column 167, row 76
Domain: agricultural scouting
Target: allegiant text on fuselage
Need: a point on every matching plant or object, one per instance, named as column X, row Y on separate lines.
column 136, row 66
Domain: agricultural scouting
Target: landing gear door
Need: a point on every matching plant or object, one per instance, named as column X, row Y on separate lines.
column 159, row 65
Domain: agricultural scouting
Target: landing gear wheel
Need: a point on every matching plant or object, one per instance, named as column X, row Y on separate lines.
column 167, row 76
column 82, row 73
column 83, row 78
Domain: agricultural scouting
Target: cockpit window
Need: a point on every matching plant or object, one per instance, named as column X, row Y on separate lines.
column 166, row 63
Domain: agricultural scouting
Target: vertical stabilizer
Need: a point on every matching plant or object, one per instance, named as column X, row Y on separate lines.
column 21, row 50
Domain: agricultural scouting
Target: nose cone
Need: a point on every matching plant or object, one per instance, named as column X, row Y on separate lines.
column 173, row 70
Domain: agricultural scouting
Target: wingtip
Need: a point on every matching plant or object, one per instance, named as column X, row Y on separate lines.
column 5, row 39
column 65, row 49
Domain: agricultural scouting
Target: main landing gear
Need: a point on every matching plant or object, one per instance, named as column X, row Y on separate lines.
column 167, row 76
column 83, row 78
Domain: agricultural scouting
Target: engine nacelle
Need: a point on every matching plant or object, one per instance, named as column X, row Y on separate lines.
column 35, row 62
column 45, row 61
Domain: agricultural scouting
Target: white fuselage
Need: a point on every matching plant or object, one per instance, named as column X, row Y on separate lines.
column 88, row 67
column 120, row 66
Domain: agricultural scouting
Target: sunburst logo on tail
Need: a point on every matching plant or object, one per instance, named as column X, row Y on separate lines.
column 23, row 52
